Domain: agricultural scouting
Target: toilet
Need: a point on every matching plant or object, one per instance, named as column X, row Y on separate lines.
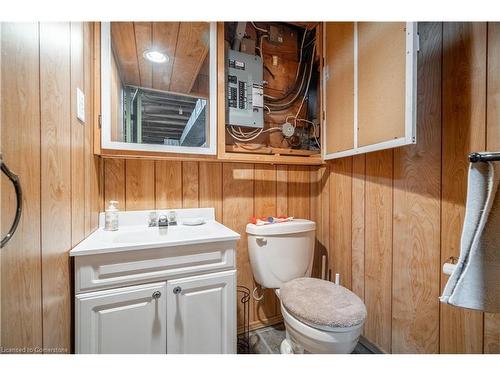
column 320, row 316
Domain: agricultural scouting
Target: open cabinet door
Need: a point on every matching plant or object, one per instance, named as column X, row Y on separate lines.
column 369, row 98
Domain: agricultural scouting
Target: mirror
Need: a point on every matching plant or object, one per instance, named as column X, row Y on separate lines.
column 158, row 86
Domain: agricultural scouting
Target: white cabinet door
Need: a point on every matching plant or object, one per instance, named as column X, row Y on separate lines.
column 201, row 314
column 369, row 86
column 124, row 320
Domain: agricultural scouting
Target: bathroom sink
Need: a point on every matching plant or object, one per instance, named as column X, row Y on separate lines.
column 137, row 235
column 134, row 234
column 141, row 234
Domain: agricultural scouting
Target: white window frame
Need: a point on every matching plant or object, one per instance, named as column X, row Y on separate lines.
column 410, row 136
column 107, row 143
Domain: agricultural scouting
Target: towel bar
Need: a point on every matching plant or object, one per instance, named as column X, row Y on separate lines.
column 484, row 156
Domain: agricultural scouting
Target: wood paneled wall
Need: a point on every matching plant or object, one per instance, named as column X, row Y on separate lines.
column 238, row 191
column 387, row 220
column 52, row 152
column 396, row 215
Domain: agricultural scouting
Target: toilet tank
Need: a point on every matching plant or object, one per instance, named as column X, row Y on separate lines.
column 281, row 252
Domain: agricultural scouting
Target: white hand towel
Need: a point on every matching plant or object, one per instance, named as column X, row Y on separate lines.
column 475, row 282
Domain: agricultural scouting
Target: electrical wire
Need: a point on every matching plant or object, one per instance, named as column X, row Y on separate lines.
column 301, row 53
column 246, row 147
column 258, row 28
column 249, row 136
column 260, row 44
column 290, row 102
column 296, row 73
column 270, row 103
column 308, row 83
column 276, row 104
column 313, row 125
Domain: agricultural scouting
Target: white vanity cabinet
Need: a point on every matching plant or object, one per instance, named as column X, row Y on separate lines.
column 130, row 320
column 152, row 290
column 200, row 316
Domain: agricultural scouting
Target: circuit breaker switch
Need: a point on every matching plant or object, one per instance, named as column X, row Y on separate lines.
column 257, row 96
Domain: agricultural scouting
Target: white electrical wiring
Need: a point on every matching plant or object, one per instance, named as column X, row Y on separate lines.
column 248, row 136
column 301, row 84
column 300, row 58
column 258, row 28
column 298, row 67
column 240, row 135
column 251, row 148
column 308, row 82
column 260, row 44
column 294, row 97
column 314, row 128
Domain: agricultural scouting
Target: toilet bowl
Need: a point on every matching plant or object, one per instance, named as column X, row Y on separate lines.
column 319, row 316
column 303, row 338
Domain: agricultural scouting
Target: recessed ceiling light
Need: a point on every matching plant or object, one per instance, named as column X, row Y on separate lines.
column 155, row 56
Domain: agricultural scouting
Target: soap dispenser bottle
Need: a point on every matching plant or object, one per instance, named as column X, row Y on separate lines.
column 111, row 216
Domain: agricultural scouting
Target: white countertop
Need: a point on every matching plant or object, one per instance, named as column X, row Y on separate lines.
column 134, row 234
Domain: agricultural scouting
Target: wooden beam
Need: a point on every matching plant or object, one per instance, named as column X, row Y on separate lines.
column 192, row 49
column 125, row 50
column 143, row 32
column 165, row 39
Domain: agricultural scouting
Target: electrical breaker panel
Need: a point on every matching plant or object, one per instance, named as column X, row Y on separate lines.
column 245, row 94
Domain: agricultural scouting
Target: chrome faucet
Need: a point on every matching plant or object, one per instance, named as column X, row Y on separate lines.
column 153, row 219
column 162, row 220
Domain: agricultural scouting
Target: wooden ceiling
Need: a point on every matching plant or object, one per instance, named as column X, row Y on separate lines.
column 185, row 43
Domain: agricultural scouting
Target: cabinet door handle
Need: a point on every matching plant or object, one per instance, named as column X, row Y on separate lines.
column 177, row 290
column 156, row 294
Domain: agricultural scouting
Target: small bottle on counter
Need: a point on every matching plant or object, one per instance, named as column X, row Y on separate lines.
column 111, row 216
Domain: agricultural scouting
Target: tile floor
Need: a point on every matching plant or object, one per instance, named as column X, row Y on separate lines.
column 268, row 340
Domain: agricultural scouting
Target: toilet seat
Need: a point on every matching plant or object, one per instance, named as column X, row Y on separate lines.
column 308, row 327
column 322, row 304
column 304, row 338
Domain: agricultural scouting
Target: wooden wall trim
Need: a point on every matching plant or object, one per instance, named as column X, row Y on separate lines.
column 59, row 175
column 417, row 212
column 341, row 227
column 464, row 55
column 378, row 247
column 491, row 342
column 77, row 129
column 168, row 180
column 56, row 215
column 21, row 306
column 358, row 226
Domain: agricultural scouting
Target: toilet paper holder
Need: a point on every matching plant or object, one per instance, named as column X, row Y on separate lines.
column 450, row 265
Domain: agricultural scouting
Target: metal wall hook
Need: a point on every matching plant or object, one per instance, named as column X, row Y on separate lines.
column 19, row 198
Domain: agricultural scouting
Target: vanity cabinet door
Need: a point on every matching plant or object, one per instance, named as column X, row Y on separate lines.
column 201, row 314
column 125, row 320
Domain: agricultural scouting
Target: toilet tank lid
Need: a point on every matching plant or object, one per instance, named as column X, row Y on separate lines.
column 294, row 226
